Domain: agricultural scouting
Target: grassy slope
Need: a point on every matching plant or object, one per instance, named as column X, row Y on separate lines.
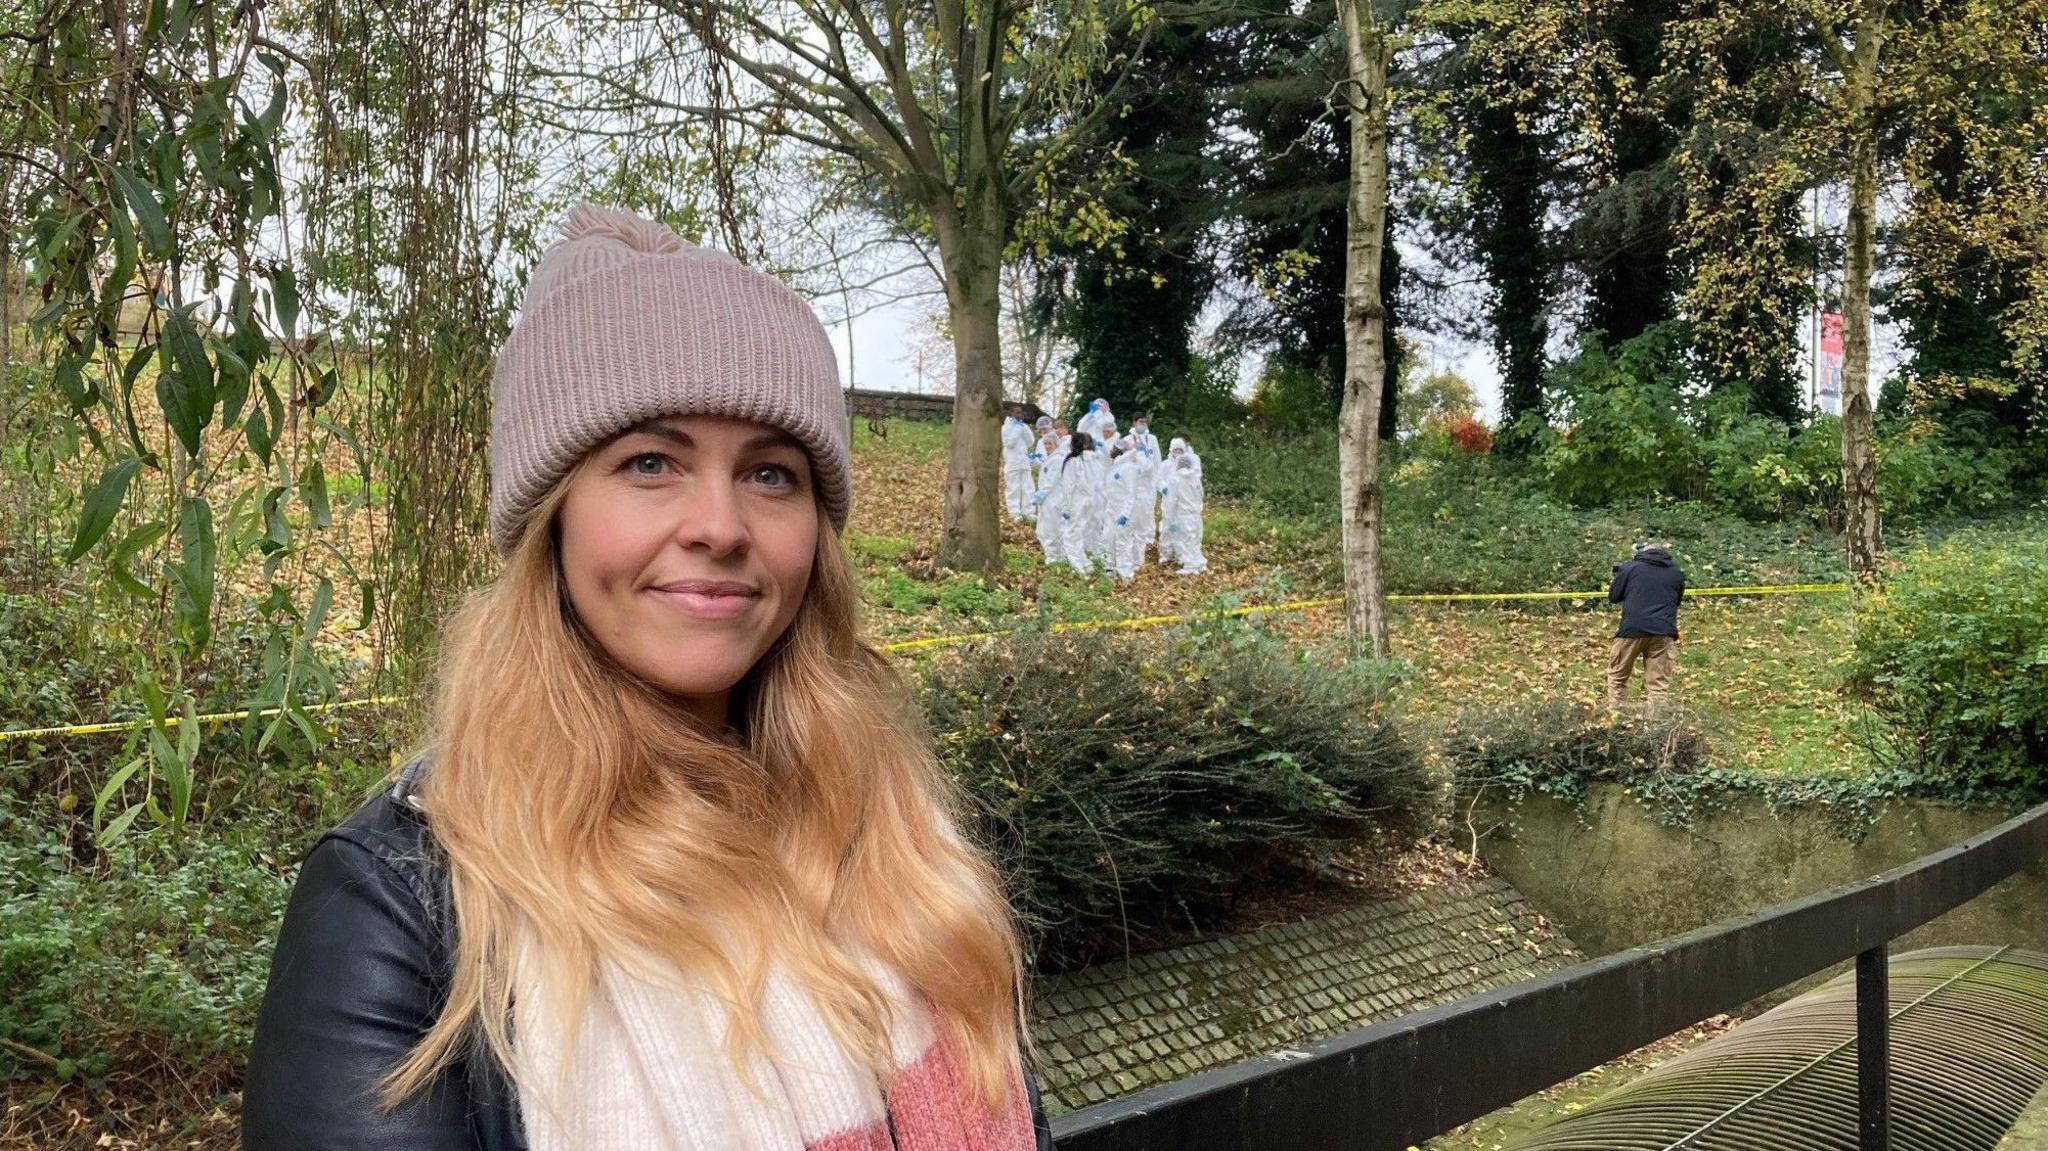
column 1760, row 672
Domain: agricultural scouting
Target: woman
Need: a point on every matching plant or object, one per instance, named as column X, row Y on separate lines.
column 1079, row 497
column 680, row 870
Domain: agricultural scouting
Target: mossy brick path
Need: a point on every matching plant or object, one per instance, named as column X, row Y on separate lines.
column 1118, row 1027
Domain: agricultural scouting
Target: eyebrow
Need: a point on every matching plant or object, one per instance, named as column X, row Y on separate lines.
column 772, row 438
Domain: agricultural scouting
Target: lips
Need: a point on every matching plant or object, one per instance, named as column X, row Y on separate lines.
column 708, row 599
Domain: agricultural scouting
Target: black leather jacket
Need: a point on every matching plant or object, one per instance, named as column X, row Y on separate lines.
column 360, row 972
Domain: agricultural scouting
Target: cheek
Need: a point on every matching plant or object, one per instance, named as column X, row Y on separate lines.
column 599, row 548
column 787, row 549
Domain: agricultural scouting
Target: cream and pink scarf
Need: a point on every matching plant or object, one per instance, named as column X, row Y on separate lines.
column 652, row 1073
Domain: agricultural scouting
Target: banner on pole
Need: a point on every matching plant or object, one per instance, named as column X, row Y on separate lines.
column 1829, row 393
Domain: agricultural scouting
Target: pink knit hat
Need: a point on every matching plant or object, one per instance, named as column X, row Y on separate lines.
column 625, row 322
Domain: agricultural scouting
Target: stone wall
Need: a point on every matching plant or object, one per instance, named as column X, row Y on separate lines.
column 1614, row 877
column 1118, row 1027
column 868, row 404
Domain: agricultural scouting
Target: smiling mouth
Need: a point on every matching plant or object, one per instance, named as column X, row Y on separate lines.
column 706, row 599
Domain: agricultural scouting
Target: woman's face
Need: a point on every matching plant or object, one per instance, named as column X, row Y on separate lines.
column 686, row 545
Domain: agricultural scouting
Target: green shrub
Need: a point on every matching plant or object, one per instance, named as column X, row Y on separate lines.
column 898, row 592
column 1759, row 469
column 1557, row 747
column 1622, row 432
column 1290, row 397
column 154, row 951
column 1952, row 655
column 1131, row 785
column 161, row 948
column 1957, row 468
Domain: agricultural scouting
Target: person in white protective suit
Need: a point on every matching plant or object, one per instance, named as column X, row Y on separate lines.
column 1180, row 509
column 1080, row 503
column 1051, row 449
column 1120, row 494
column 1041, row 451
column 1097, row 542
column 1017, row 450
column 1096, row 419
column 1144, row 512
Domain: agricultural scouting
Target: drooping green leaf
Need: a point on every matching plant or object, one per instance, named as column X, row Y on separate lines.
column 101, row 504
column 194, row 571
column 313, row 489
column 62, row 237
column 112, row 787
column 122, row 273
column 122, row 557
column 277, row 527
column 273, row 113
column 284, row 300
column 185, row 387
column 256, row 428
column 118, row 828
column 149, row 212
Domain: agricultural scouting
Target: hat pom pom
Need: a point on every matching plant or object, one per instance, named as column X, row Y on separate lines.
column 589, row 221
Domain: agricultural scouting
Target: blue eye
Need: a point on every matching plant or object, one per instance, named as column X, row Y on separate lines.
column 774, row 475
column 647, row 463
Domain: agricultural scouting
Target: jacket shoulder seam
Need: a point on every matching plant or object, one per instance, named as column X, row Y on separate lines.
column 400, row 865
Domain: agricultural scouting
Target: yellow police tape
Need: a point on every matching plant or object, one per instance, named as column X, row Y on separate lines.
column 1308, row 604
column 930, row 642
column 173, row 721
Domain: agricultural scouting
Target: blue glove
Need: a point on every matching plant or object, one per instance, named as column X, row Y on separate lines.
column 1037, row 497
column 1033, row 456
column 1162, row 491
column 1123, row 521
column 1065, row 516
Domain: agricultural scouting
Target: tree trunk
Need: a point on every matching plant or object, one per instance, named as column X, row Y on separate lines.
column 1358, row 442
column 6, row 315
column 971, row 248
column 1862, row 536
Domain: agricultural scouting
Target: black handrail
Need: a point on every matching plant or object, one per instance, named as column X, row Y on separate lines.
column 1401, row 1081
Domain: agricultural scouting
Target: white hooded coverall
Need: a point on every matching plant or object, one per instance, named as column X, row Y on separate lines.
column 1080, row 507
column 1180, row 509
column 1017, row 448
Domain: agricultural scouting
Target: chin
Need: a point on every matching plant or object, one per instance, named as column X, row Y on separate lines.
column 708, row 674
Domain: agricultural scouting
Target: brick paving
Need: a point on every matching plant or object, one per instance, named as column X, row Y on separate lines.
column 1117, row 1027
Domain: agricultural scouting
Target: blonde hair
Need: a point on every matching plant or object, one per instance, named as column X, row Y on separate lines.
column 575, row 802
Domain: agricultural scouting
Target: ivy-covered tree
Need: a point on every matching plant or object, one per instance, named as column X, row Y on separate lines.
column 1973, row 243
column 1509, row 196
column 1129, row 306
column 1624, row 227
column 1288, row 145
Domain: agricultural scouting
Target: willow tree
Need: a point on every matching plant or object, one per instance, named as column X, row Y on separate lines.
column 928, row 98
column 142, row 180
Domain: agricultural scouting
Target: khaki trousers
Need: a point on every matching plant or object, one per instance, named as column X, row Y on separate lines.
column 1659, row 654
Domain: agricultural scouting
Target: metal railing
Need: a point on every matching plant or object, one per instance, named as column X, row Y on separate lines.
column 1398, row 1082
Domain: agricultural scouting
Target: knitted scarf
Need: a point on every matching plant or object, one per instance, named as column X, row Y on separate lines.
column 651, row 1072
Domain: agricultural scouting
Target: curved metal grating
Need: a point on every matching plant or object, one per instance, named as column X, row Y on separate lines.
column 1969, row 1048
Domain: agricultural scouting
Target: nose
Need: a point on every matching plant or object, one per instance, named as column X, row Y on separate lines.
column 713, row 519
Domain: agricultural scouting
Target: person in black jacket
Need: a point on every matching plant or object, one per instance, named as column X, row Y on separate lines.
column 679, row 869
column 1649, row 589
